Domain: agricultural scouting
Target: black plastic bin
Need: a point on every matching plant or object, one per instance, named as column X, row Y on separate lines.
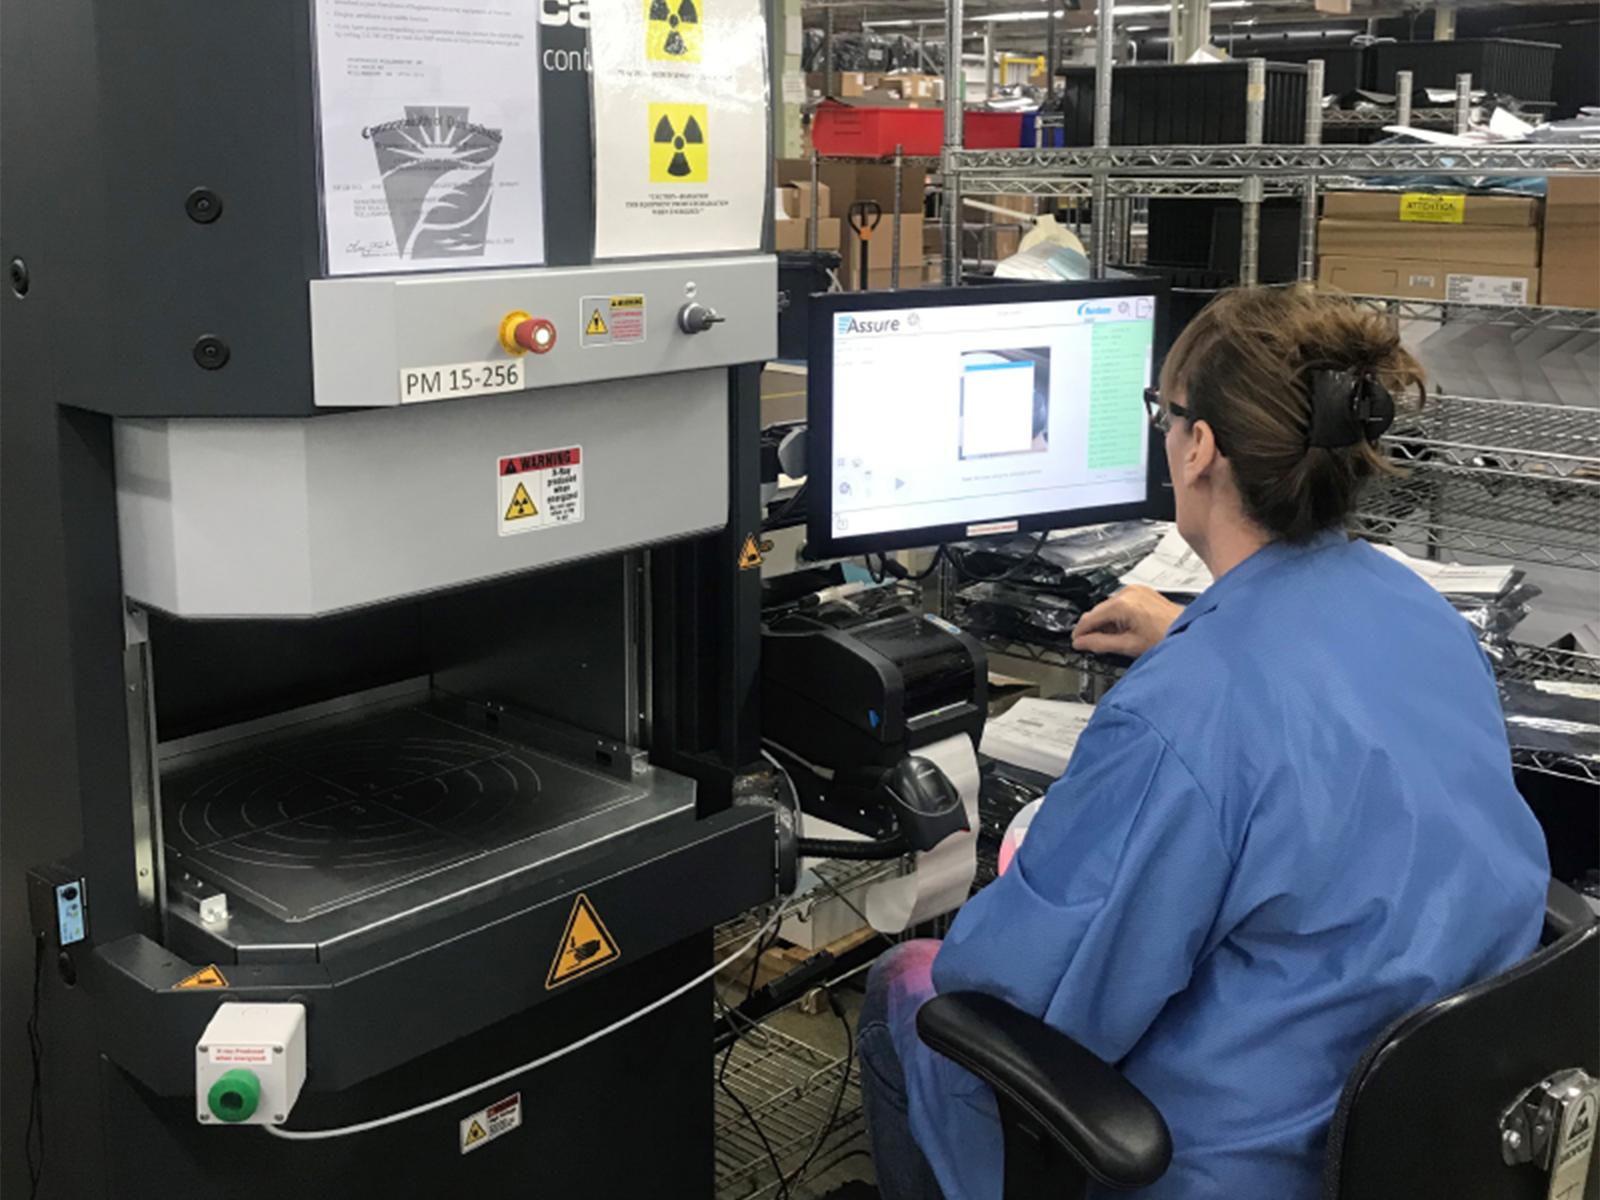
column 1345, row 68
column 1201, row 105
column 1503, row 66
column 1204, row 235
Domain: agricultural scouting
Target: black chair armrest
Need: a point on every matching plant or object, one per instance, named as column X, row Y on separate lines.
column 1564, row 911
column 1077, row 1099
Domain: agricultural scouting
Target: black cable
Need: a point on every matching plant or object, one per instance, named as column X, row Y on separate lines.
column 900, row 572
column 786, row 507
column 883, row 567
column 838, row 1097
column 840, row 1160
column 1010, row 572
column 777, row 1168
column 33, row 1139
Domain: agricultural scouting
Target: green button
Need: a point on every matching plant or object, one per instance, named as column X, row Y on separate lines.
column 235, row 1096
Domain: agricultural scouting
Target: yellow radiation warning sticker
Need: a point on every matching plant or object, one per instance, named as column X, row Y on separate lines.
column 522, row 506
column 539, row 489
column 584, row 946
column 678, row 140
column 483, row 1126
column 206, row 977
column 672, row 30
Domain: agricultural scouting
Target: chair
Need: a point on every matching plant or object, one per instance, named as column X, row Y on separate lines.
column 1475, row 1097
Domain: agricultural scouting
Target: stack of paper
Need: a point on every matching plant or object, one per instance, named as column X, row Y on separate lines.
column 1452, row 580
column 1038, row 735
column 1172, row 567
column 1177, row 570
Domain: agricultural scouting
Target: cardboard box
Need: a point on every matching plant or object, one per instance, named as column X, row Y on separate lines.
column 910, row 86
column 848, row 182
column 1003, row 243
column 1507, row 245
column 880, row 247
column 789, row 233
column 801, row 190
column 1473, row 283
column 877, row 277
column 1571, row 276
column 1423, row 208
column 1572, row 200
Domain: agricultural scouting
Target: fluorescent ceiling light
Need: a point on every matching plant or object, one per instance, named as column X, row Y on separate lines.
column 1121, row 10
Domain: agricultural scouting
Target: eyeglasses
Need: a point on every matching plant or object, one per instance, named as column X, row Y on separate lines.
column 1161, row 416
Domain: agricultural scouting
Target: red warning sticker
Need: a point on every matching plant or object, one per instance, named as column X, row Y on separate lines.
column 538, row 489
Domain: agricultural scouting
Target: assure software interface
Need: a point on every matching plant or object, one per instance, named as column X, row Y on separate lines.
column 973, row 414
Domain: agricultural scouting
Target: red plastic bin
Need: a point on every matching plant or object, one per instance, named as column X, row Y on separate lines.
column 870, row 132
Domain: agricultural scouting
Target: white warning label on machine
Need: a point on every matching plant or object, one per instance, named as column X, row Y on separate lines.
column 539, row 489
column 483, row 1126
column 1486, row 289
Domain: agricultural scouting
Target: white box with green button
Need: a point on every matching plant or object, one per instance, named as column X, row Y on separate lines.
column 250, row 1063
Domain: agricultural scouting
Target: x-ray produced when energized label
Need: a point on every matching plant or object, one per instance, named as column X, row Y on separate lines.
column 539, row 489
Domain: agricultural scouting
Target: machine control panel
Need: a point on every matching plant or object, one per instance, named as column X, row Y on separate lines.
column 390, row 340
column 250, row 1064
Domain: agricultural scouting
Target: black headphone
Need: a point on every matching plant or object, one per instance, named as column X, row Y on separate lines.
column 1347, row 407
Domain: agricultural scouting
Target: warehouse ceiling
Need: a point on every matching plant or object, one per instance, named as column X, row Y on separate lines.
column 1021, row 24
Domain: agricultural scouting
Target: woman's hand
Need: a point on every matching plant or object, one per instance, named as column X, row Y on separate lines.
column 1129, row 623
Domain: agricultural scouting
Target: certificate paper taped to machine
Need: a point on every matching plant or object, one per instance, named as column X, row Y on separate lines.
column 680, row 126
column 429, row 134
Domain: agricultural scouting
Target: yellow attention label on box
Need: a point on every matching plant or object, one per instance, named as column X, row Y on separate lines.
column 1440, row 210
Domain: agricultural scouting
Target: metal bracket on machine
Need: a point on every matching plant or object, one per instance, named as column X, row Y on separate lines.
column 1552, row 1126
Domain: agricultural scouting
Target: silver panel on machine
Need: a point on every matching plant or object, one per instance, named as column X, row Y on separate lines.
column 365, row 332
column 303, row 517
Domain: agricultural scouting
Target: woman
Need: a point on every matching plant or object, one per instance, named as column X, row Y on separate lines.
column 1292, row 821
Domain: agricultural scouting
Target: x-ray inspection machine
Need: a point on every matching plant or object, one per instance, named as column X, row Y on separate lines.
column 411, row 659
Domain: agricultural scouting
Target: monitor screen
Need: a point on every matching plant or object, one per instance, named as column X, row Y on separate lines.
column 949, row 413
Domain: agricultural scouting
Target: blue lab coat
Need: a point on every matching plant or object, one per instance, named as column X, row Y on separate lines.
column 1290, row 823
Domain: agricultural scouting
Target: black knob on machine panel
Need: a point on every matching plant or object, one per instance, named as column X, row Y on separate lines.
column 697, row 318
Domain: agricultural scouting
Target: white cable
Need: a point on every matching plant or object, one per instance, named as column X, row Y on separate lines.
column 317, row 1135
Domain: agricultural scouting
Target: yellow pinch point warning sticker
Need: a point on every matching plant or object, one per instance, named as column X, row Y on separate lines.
column 475, row 1133
column 584, row 946
column 750, row 554
column 597, row 325
column 206, row 977
column 521, row 505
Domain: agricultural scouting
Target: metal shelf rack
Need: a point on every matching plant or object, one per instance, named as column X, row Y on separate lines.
column 788, row 1088
column 1523, row 317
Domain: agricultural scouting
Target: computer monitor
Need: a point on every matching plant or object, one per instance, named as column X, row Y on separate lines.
column 949, row 413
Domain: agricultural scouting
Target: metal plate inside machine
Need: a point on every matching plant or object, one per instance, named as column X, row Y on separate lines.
column 308, row 825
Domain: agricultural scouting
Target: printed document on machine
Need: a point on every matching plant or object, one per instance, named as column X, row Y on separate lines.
column 681, row 133
column 429, row 134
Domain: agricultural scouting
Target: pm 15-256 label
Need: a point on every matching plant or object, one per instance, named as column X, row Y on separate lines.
column 454, row 380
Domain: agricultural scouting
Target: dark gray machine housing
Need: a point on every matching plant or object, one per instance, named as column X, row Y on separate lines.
column 161, row 204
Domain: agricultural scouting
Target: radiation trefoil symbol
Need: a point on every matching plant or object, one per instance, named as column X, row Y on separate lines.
column 672, row 30
column 678, row 143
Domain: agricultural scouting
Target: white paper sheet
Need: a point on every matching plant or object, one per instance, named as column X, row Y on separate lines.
column 429, row 134
column 943, row 875
column 1452, row 579
column 1174, row 568
column 1037, row 734
column 681, row 129
column 1171, row 567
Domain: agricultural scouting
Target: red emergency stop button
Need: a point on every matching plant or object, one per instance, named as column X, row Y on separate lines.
column 521, row 333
